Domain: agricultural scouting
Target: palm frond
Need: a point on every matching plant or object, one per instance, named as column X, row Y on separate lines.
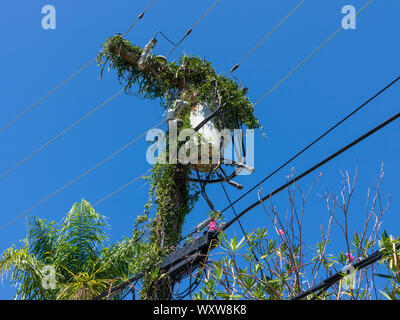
column 41, row 239
column 81, row 237
column 26, row 272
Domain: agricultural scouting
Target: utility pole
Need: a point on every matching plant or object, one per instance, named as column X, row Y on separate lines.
column 172, row 201
column 196, row 83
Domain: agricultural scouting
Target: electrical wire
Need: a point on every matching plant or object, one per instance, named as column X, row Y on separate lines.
column 45, row 96
column 241, row 227
column 67, row 79
column 131, row 290
column 138, row 18
column 303, row 150
column 118, row 287
column 165, row 37
column 121, row 188
column 191, row 29
column 126, row 294
column 307, row 172
column 60, row 134
column 317, row 140
column 265, row 38
column 307, row 58
column 327, row 283
column 79, row 177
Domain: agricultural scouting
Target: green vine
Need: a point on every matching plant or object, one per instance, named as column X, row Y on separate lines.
column 193, row 80
column 164, row 178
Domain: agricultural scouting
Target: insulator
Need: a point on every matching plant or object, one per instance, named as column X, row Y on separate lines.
column 203, row 224
column 235, row 184
column 161, row 57
column 180, row 105
column 146, row 53
column 348, row 281
column 171, row 115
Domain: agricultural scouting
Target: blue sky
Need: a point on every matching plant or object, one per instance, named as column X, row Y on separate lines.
column 353, row 66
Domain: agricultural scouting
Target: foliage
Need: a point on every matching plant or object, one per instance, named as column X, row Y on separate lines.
column 278, row 274
column 278, row 265
column 83, row 265
column 193, row 78
column 391, row 258
column 163, row 180
column 195, row 81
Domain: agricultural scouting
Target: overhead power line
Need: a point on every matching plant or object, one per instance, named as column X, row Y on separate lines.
column 265, row 38
column 327, row 283
column 119, row 287
column 307, row 58
column 68, row 78
column 191, row 29
column 45, row 96
column 316, row 140
column 121, row 188
column 138, row 18
column 80, row 176
column 307, row 172
column 60, row 134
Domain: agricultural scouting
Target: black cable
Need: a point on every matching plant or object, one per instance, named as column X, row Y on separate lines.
column 118, row 287
column 135, row 278
column 241, row 227
column 305, row 173
column 307, row 147
column 369, row 260
column 126, row 294
column 237, row 217
column 159, row 32
column 314, row 142
column 327, row 283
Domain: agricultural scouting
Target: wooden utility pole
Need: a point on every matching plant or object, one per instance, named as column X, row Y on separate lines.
column 195, row 82
column 172, row 201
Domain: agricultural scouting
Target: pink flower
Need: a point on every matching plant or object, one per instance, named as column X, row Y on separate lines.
column 212, row 226
column 350, row 256
column 281, row 232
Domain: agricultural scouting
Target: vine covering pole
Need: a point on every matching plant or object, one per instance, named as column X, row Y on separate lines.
column 194, row 81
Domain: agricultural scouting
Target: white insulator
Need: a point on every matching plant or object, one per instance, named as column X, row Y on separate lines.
column 171, row 115
column 203, row 224
column 146, row 53
column 208, row 131
column 348, row 281
column 210, row 136
column 161, row 57
column 180, row 105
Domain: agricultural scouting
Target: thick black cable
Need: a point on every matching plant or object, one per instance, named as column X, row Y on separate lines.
column 327, row 283
column 373, row 258
column 314, row 142
column 365, row 262
column 241, row 227
column 126, row 294
column 306, row 148
column 307, row 172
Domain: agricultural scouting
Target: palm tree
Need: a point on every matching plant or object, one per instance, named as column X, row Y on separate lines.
column 73, row 254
